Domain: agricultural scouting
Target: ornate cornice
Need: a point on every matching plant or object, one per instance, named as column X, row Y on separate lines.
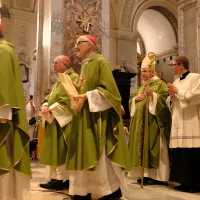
column 167, row 54
column 121, row 34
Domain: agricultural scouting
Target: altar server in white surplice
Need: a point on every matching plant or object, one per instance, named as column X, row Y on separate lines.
column 184, row 103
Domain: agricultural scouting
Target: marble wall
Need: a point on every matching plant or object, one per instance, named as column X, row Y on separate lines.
column 81, row 17
column 189, row 32
column 19, row 22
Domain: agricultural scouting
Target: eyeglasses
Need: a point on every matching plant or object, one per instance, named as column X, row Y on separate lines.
column 80, row 42
column 55, row 62
column 173, row 64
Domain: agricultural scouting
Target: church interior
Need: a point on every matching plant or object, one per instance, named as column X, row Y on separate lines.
column 125, row 30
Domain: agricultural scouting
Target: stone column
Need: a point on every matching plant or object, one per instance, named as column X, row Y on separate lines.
column 127, row 50
column 127, row 54
column 39, row 56
column 188, row 31
column 50, row 37
column 106, row 29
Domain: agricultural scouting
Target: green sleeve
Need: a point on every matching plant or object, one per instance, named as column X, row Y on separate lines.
column 163, row 114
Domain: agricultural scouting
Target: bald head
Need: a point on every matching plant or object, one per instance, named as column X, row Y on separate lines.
column 64, row 59
column 85, row 45
column 61, row 64
column 89, row 38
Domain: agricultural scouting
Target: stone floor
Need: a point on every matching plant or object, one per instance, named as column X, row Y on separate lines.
column 134, row 192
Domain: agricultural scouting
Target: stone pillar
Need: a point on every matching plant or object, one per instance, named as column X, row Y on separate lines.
column 106, row 29
column 50, row 37
column 189, row 32
column 127, row 50
column 127, row 55
column 39, row 56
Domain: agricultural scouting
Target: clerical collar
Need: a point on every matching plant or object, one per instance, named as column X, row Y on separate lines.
column 86, row 59
column 183, row 76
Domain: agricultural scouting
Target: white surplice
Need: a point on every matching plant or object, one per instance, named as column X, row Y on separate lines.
column 107, row 177
column 185, row 109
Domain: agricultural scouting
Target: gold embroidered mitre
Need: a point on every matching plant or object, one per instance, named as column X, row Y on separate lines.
column 149, row 62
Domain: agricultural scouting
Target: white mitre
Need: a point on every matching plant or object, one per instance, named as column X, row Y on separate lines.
column 149, row 62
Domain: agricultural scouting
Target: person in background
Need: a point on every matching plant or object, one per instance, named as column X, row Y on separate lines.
column 30, row 114
column 156, row 161
column 15, row 171
column 57, row 108
column 184, row 103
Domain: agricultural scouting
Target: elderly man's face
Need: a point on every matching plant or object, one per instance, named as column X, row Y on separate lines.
column 59, row 66
column 83, row 47
column 146, row 73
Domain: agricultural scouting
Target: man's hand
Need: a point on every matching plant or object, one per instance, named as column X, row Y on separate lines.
column 45, row 110
column 80, row 99
column 149, row 91
column 140, row 97
column 172, row 90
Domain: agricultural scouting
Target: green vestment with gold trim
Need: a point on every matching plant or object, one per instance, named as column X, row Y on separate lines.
column 55, row 142
column 15, row 154
column 157, row 125
column 92, row 131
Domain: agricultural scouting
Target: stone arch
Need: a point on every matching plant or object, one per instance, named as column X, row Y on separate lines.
column 132, row 10
column 153, row 4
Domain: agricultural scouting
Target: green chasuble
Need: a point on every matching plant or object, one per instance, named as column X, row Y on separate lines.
column 13, row 154
column 55, row 142
column 157, row 125
column 94, row 131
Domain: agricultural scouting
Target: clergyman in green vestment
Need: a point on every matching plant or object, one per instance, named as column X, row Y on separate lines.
column 156, row 161
column 97, row 151
column 56, row 111
column 15, row 169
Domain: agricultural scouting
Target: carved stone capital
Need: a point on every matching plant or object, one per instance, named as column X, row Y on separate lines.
column 121, row 34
